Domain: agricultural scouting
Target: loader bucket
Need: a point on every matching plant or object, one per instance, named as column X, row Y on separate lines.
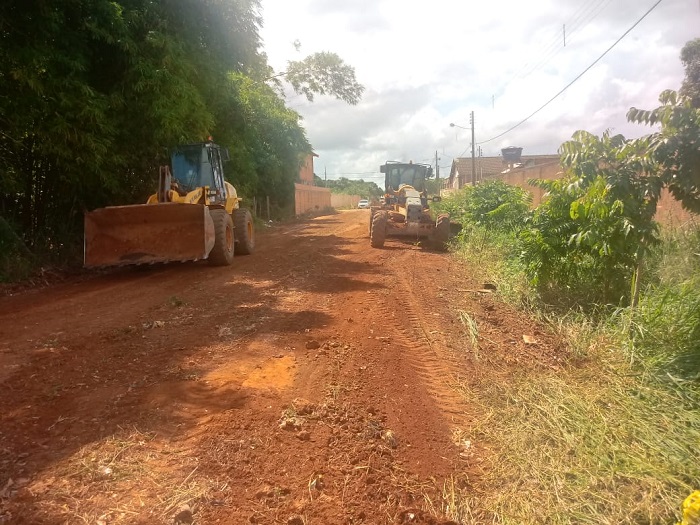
column 147, row 233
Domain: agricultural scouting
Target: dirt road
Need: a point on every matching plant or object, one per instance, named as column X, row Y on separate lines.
column 314, row 382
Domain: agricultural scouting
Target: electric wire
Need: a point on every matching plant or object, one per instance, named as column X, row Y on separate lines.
column 548, row 50
column 600, row 7
column 575, row 79
column 584, row 16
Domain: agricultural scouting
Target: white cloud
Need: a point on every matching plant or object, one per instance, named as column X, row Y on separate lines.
column 428, row 64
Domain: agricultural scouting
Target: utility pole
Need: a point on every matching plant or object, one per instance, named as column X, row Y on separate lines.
column 471, row 120
column 437, row 166
column 325, row 178
column 481, row 169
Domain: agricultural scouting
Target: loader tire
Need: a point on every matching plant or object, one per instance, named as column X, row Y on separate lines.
column 378, row 233
column 245, row 233
column 222, row 252
column 441, row 235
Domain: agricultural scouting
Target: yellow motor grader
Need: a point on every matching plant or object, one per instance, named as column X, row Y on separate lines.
column 195, row 214
column 404, row 211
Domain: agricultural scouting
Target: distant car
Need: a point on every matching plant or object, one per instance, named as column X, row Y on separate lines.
column 363, row 204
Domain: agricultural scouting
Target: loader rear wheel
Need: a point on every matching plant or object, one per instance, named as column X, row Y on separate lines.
column 377, row 234
column 222, row 252
column 245, row 234
column 442, row 232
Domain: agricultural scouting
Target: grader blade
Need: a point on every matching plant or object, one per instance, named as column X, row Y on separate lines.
column 147, row 233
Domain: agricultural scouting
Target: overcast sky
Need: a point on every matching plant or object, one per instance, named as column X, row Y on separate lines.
column 427, row 64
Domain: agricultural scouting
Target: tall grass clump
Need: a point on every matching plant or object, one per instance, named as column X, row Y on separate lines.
column 664, row 330
column 491, row 215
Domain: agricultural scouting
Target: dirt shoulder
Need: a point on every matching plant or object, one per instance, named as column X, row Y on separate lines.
column 316, row 381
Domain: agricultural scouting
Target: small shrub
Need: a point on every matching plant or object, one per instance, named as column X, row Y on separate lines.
column 494, row 204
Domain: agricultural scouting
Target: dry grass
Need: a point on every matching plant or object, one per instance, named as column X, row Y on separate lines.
column 472, row 331
column 128, row 475
column 584, row 445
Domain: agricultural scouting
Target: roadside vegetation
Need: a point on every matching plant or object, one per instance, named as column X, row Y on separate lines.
column 345, row 186
column 611, row 436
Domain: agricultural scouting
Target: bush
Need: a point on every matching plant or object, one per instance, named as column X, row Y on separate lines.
column 589, row 235
column 494, row 204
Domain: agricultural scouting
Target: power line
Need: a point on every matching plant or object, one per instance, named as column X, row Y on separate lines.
column 575, row 79
column 550, row 50
column 584, row 16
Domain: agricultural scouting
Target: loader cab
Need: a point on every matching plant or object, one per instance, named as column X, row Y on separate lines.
column 198, row 165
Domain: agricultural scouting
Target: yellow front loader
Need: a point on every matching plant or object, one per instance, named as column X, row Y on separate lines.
column 195, row 214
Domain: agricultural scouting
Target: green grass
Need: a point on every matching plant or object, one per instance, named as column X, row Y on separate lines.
column 495, row 254
column 612, row 438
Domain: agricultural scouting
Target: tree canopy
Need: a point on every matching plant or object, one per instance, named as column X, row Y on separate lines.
column 325, row 74
column 690, row 57
column 347, row 186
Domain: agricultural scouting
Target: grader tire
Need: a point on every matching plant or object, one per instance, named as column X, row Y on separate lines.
column 378, row 233
column 245, row 234
column 222, row 253
column 441, row 235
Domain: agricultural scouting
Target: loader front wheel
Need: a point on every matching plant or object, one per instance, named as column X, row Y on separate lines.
column 245, row 234
column 222, row 253
column 377, row 234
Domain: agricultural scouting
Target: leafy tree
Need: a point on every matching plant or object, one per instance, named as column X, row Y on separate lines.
column 591, row 232
column 690, row 56
column 433, row 186
column 671, row 157
column 93, row 93
column 266, row 141
column 354, row 187
column 324, row 73
column 597, row 224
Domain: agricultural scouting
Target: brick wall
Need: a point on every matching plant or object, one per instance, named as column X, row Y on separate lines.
column 310, row 198
column 340, row 200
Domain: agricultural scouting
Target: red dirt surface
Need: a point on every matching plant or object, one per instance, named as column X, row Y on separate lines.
column 313, row 382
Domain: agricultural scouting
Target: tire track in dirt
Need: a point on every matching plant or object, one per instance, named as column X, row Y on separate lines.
column 434, row 364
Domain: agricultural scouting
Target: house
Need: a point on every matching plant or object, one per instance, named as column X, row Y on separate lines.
column 306, row 172
column 307, row 196
column 493, row 168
